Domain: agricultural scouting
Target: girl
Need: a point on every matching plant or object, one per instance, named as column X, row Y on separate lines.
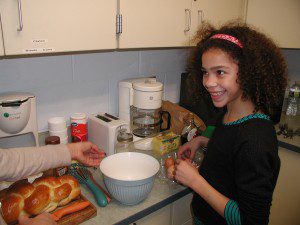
column 243, row 71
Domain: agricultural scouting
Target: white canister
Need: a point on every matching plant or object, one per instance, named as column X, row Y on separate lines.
column 79, row 130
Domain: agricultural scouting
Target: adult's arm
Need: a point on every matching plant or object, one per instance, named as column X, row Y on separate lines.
column 18, row 163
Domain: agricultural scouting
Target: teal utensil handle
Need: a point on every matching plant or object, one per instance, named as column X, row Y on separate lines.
column 98, row 194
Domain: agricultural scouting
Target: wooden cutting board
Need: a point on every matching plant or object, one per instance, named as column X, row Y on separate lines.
column 77, row 217
column 80, row 216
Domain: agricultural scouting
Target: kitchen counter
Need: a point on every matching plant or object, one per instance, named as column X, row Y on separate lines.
column 292, row 144
column 161, row 195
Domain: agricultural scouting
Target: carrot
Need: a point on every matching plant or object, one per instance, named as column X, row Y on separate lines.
column 70, row 209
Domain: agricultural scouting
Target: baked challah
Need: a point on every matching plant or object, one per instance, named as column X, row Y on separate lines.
column 43, row 195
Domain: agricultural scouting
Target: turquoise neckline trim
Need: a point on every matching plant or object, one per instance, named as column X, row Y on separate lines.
column 249, row 117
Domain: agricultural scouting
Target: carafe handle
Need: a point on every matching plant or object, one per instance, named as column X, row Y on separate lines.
column 168, row 120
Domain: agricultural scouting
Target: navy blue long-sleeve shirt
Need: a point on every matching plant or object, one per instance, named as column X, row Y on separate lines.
column 241, row 163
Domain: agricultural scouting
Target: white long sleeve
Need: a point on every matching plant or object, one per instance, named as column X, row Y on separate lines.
column 18, row 163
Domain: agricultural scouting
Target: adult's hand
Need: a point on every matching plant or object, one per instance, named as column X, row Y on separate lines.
column 188, row 150
column 42, row 219
column 86, row 153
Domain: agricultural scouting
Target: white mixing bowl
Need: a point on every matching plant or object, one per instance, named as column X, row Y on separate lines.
column 129, row 176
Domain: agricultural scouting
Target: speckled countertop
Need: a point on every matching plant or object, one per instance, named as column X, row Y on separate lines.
column 115, row 213
column 292, row 144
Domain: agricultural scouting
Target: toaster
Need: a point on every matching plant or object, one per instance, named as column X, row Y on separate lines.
column 103, row 130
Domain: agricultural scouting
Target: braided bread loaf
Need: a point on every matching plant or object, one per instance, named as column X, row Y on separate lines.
column 43, row 195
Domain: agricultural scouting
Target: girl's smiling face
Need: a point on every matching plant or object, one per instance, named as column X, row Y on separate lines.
column 220, row 75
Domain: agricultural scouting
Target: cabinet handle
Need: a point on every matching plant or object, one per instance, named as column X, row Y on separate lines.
column 2, row 40
column 188, row 13
column 200, row 17
column 20, row 15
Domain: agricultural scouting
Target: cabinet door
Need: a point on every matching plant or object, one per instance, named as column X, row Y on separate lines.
column 181, row 213
column 216, row 12
column 286, row 197
column 278, row 18
column 155, row 23
column 57, row 26
column 159, row 217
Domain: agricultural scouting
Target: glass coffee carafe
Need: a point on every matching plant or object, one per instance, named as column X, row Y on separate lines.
column 148, row 122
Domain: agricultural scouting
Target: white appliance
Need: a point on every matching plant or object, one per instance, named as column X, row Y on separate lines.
column 126, row 95
column 17, row 119
column 140, row 103
column 103, row 130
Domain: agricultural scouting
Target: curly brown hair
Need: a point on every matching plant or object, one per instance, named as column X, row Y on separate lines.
column 262, row 74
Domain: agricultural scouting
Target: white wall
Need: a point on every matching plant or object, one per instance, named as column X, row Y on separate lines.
column 88, row 82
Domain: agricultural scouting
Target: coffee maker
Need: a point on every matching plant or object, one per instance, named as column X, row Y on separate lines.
column 140, row 102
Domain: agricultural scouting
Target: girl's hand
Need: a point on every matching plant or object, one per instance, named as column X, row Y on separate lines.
column 42, row 219
column 188, row 150
column 185, row 172
column 86, row 153
column 171, row 172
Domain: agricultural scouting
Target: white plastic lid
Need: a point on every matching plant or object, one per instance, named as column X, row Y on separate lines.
column 148, row 86
column 78, row 116
column 15, row 96
column 129, row 82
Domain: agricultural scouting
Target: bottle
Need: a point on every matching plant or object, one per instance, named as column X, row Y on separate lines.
column 292, row 117
column 59, row 171
column 190, row 130
column 79, row 132
column 124, row 141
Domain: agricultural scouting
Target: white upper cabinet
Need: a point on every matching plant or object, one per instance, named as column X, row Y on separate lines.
column 217, row 12
column 50, row 26
column 278, row 18
column 169, row 23
column 155, row 23
column 35, row 26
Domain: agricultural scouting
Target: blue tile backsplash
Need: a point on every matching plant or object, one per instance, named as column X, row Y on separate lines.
column 89, row 82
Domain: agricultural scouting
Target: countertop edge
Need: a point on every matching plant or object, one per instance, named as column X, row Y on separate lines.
column 289, row 146
column 154, row 207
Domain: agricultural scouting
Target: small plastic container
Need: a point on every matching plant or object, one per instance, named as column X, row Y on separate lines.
column 79, row 131
column 57, row 124
column 124, row 142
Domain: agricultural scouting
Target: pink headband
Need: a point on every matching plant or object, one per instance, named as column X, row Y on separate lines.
column 228, row 38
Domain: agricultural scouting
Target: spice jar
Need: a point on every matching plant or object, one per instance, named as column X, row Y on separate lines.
column 79, row 131
column 59, row 171
column 124, row 142
column 190, row 130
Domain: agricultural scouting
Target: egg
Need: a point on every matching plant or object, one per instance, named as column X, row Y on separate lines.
column 170, row 172
column 169, row 162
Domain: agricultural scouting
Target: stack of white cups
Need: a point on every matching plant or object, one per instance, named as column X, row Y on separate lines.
column 58, row 127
